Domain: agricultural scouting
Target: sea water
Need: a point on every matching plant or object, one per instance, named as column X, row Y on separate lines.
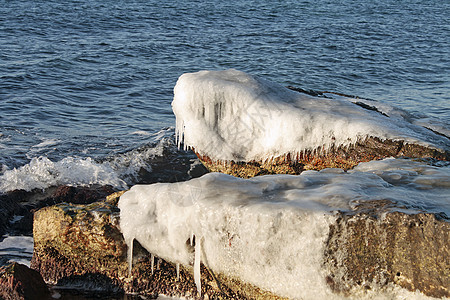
column 89, row 83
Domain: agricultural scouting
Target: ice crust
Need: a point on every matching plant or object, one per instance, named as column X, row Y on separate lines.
column 230, row 115
column 270, row 230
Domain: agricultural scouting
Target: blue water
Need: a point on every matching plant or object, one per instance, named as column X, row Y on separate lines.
column 94, row 79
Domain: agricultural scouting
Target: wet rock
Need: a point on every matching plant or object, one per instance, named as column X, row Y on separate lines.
column 374, row 249
column 9, row 206
column 337, row 157
column 24, row 203
column 86, row 232
column 18, row 282
column 81, row 195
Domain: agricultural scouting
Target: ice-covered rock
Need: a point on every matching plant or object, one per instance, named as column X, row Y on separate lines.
column 80, row 247
column 246, row 126
column 286, row 234
column 379, row 231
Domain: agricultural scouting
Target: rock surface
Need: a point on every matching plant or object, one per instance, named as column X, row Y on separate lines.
column 18, row 282
column 371, row 248
column 412, row 251
column 24, row 203
column 342, row 157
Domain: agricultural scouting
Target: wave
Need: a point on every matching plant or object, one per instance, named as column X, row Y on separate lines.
column 120, row 170
column 41, row 173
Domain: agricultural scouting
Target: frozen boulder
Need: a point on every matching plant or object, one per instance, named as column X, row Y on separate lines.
column 245, row 126
column 380, row 230
column 81, row 247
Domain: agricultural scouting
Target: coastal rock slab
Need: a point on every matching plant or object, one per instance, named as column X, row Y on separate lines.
column 245, row 126
column 291, row 235
column 362, row 252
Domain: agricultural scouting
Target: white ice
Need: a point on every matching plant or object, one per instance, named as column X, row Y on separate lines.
column 230, row 115
column 270, row 230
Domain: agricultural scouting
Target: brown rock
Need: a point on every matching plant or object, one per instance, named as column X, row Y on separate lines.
column 23, row 203
column 18, row 282
column 340, row 157
column 70, row 240
column 368, row 249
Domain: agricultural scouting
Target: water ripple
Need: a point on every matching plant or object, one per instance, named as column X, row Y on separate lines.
column 92, row 71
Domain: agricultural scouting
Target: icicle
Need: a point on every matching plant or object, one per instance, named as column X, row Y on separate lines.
column 197, row 275
column 179, row 134
column 158, row 262
column 130, row 255
column 192, row 239
column 178, row 271
column 153, row 262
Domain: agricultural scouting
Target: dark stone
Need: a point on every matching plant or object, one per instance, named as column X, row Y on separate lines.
column 81, row 195
column 9, row 206
column 18, row 282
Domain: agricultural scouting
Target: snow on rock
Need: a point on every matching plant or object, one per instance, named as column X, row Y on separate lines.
column 232, row 116
column 270, row 230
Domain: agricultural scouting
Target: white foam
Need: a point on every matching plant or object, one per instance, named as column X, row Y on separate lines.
column 41, row 173
column 230, row 115
column 141, row 132
column 270, row 230
column 118, row 171
column 46, row 143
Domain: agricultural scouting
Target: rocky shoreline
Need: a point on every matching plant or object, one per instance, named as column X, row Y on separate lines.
column 81, row 245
